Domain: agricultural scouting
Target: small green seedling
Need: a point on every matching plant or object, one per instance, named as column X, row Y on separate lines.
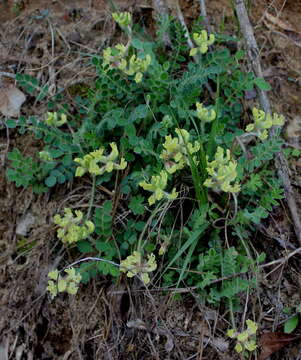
column 292, row 322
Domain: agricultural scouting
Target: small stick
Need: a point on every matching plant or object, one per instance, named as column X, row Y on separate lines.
column 183, row 23
column 280, row 161
column 204, row 15
column 10, row 75
column 161, row 9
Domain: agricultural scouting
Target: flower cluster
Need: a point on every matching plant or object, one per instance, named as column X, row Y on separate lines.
column 205, row 114
column 135, row 65
column 45, row 156
column 123, row 19
column 222, row 172
column 246, row 339
column 262, row 122
column 114, row 56
column 68, row 283
column 157, row 185
column 177, row 151
column 135, row 265
column 53, row 120
column 72, row 228
column 96, row 163
column 202, row 41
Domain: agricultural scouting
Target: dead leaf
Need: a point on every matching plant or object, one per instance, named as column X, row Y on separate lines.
column 25, row 224
column 220, row 344
column 274, row 341
column 283, row 25
column 11, row 100
column 293, row 130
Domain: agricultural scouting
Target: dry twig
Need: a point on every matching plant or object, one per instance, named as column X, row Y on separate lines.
column 204, row 15
column 161, row 9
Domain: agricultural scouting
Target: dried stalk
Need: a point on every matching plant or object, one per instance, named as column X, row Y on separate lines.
column 161, row 9
column 280, row 161
column 204, row 15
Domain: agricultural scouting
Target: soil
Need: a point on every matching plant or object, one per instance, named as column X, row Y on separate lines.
column 49, row 40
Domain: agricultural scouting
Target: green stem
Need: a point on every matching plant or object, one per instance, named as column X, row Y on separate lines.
column 154, row 213
column 215, row 124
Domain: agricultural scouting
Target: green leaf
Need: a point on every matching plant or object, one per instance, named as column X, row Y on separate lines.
column 262, row 84
column 11, row 123
column 88, row 270
column 137, row 44
column 67, row 160
column 55, row 153
column 102, row 246
column 50, row 181
column 61, row 179
column 261, row 258
column 29, row 83
column 84, row 246
column 291, row 324
column 130, row 130
column 140, row 112
column 194, row 237
column 43, row 92
column 125, row 189
column 114, row 271
column 107, row 206
column 55, row 173
column 14, row 155
column 140, row 225
column 256, row 216
column 106, row 269
column 136, row 205
column 107, row 248
column 296, row 152
column 239, row 54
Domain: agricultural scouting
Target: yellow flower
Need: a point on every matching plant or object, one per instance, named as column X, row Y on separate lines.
column 72, row 229
column 238, row 348
column 202, row 41
column 52, row 119
column 177, row 151
column 96, row 163
column 204, row 114
column 246, row 339
column 262, row 122
column 157, row 185
column 251, row 345
column 222, row 172
column 135, row 66
column 68, row 283
column 135, row 265
column 123, row 19
column 252, row 327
